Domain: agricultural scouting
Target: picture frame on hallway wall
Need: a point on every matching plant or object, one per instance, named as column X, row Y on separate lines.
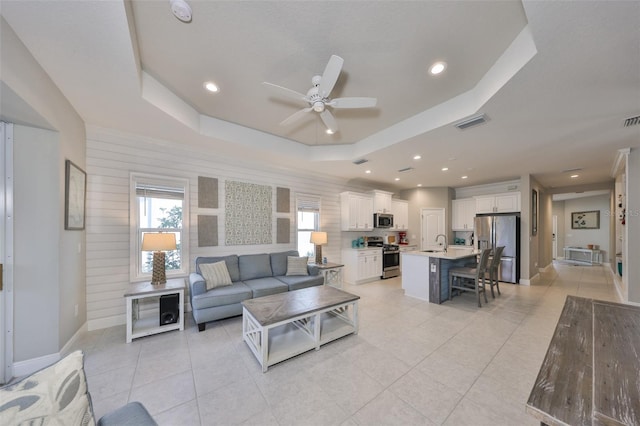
column 534, row 212
column 75, row 196
column 585, row 220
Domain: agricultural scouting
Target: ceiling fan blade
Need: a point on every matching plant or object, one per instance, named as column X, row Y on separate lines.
column 330, row 75
column 329, row 120
column 292, row 94
column 353, row 102
column 295, row 116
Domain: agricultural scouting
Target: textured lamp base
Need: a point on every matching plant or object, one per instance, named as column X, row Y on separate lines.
column 158, row 276
column 318, row 254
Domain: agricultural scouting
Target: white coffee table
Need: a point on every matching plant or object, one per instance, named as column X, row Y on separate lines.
column 281, row 326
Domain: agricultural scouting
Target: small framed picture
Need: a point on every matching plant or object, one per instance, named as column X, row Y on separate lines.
column 585, row 220
column 75, row 197
column 534, row 212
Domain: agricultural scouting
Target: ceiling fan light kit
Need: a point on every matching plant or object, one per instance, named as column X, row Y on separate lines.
column 317, row 98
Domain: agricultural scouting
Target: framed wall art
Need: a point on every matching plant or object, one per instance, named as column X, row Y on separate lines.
column 75, row 196
column 585, row 220
column 534, row 212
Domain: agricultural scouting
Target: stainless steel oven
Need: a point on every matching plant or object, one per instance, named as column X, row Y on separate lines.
column 390, row 261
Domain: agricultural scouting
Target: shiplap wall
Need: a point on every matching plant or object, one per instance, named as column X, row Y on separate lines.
column 113, row 156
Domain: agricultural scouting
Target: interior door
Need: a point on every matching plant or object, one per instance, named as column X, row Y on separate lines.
column 554, row 239
column 431, row 224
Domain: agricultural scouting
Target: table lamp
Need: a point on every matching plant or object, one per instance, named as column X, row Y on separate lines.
column 318, row 238
column 158, row 243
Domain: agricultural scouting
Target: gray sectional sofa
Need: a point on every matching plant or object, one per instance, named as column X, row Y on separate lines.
column 252, row 275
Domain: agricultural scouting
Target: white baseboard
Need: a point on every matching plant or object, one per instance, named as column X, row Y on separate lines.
column 546, row 268
column 100, row 323
column 66, row 349
column 29, row 366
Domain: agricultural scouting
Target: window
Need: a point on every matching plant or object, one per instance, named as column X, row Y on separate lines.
column 158, row 205
column 308, row 220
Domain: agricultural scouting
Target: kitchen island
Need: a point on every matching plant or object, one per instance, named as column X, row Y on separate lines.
column 425, row 275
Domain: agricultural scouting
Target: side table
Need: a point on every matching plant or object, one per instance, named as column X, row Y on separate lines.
column 332, row 273
column 140, row 327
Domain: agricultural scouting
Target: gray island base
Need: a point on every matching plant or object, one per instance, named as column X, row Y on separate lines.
column 281, row 326
column 425, row 275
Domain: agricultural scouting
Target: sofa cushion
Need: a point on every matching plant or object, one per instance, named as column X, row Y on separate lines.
column 297, row 265
column 266, row 286
column 54, row 395
column 297, row 282
column 279, row 262
column 254, row 266
column 228, row 295
column 231, row 261
column 215, row 274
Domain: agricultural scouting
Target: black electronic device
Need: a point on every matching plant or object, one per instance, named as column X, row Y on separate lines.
column 169, row 309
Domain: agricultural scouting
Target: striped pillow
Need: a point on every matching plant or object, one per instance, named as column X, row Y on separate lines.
column 215, row 274
column 297, row 265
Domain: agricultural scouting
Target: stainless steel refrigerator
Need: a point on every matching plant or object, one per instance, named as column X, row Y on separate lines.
column 497, row 230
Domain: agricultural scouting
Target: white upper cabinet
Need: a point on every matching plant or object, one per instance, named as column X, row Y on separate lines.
column 356, row 211
column 498, row 203
column 400, row 211
column 381, row 201
column 463, row 213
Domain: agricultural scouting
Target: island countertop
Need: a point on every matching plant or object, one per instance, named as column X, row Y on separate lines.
column 451, row 254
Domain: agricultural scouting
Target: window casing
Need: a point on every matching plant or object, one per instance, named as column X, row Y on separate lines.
column 307, row 220
column 159, row 204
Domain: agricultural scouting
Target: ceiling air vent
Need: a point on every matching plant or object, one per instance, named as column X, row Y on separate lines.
column 360, row 161
column 406, row 169
column 471, row 121
column 632, row 121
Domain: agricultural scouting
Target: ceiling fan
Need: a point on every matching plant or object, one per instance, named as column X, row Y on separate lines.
column 317, row 98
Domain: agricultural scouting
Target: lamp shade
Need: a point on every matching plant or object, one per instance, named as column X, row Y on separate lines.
column 318, row 238
column 159, row 241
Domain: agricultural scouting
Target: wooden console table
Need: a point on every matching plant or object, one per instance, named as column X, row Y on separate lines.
column 590, row 256
column 590, row 375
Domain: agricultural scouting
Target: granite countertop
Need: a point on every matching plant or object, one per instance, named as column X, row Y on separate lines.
column 452, row 253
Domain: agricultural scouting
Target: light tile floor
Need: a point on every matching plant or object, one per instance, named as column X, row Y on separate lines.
column 412, row 362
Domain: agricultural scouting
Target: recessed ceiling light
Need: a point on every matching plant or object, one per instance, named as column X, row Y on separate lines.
column 574, row 176
column 437, row 68
column 464, row 177
column 417, row 157
column 367, row 171
column 397, row 179
column 419, row 184
column 444, row 169
column 211, row 86
column 329, row 131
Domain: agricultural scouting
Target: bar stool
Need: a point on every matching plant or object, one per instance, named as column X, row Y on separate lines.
column 494, row 277
column 477, row 274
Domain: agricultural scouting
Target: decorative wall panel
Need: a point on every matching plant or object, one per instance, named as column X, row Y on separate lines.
column 248, row 213
column 283, row 231
column 207, row 192
column 207, row 231
column 282, row 200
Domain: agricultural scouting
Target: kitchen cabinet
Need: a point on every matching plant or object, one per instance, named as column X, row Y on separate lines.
column 498, row 203
column 400, row 211
column 381, row 201
column 356, row 211
column 463, row 213
column 362, row 265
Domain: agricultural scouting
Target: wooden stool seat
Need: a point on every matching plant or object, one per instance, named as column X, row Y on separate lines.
column 460, row 278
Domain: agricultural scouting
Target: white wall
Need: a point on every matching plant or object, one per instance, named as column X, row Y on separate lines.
column 24, row 76
column 632, row 226
column 112, row 156
column 582, row 237
column 421, row 198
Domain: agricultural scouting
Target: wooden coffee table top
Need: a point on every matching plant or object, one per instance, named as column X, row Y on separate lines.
column 282, row 306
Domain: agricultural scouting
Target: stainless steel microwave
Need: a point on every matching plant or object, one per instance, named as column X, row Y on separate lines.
column 382, row 220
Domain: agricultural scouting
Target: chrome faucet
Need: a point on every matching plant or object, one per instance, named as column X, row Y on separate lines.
column 445, row 241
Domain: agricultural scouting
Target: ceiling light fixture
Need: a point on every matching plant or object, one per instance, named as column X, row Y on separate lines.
column 181, row 10
column 329, row 131
column 367, row 171
column 437, row 68
column 417, row 157
column 464, row 177
column 397, row 179
column 444, row 169
column 574, row 176
column 211, row 86
column 419, row 184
